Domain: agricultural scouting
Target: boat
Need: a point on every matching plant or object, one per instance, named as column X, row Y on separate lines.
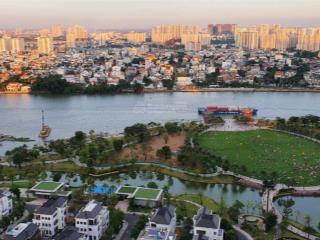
column 215, row 110
column 45, row 129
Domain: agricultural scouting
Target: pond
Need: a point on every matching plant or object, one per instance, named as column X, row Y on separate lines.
column 304, row 206
column 228, row 192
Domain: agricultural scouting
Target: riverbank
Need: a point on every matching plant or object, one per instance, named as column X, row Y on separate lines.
column 193, row 90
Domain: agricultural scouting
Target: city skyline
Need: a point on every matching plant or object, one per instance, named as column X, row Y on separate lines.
column 126, row 14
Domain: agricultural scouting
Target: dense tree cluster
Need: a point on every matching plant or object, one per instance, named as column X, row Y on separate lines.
column 22, row 154
column 55, row 84
column 306, row 125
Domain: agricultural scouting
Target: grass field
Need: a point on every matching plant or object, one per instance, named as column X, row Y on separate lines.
column 295, row 160
column 127, row 190
column 47, row 186
column 147, row 193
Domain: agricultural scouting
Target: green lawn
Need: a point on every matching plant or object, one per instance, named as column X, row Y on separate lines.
column 127, row 190
column 47, row 186
column 294, row 159
column 147, row 193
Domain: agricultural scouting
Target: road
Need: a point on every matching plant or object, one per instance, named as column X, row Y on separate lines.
column 131, row 219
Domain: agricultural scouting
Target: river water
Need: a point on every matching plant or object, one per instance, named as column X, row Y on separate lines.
column 20, row 116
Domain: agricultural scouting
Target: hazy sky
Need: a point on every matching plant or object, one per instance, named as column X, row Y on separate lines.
column 130, row 14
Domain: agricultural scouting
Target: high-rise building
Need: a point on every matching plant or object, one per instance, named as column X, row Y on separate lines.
column 17, row 45
column 137, row 37
column 164, row 33
column 45, row 45
column 204, row 39
column 5, row 44
column 219, row 29
column 308, row 39
column 18, row 31
column 75, row 33
column 102, row 37
column 56, row 30
column 247, row 38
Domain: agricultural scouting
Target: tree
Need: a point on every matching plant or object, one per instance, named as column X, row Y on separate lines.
column 139, row 226
column 165, row 138
column 270, row 220
column 152, row 185
column 164, row 152
column 286, row 212
column 145, row 150
column 235, row 210
column 138, row 131
column 117, row 144
column 56, row 176
column 172, row 127
column 16, row 192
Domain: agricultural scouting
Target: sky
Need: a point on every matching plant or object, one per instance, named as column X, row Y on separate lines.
column 143, row 14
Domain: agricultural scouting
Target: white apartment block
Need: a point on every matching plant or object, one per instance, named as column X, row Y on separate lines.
column 50, row 217
column 92, row 220
column 5, row 203
column 206, row 226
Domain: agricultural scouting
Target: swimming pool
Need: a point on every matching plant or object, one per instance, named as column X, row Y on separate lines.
column 102, row 189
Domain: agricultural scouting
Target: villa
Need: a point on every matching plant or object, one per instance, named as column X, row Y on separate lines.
column 92, row 220
column 206, row 226
column 5, row 203
column 50, row 217
column 162, row 225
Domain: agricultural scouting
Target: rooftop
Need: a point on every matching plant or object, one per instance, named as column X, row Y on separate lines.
column 163, row 215
column 69, row 233
column 47, row 186
column 21, row 232
column 206, row 219
column 50, row 206
column 90, row 211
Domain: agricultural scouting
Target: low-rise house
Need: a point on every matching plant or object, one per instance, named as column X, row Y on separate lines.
column 50, row 217
column 92, row 220
column 162, row 225
column 206, row 226
column 23, row 231
column 6, row 205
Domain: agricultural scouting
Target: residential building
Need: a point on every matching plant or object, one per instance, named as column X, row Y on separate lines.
column 17, row 45
column 137, row 37
column 23, row 231
column 45, row 45
column 162, row 225
column 92, row 220
column 56, row 30
column 247, row 39
column 5, row 44
column 219, row 29
column 50, row 217
column 206, row 226
column 6, row 205
column 164, row 33
column 76, row 33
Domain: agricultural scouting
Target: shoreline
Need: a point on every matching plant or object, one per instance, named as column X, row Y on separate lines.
column 201, row 90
